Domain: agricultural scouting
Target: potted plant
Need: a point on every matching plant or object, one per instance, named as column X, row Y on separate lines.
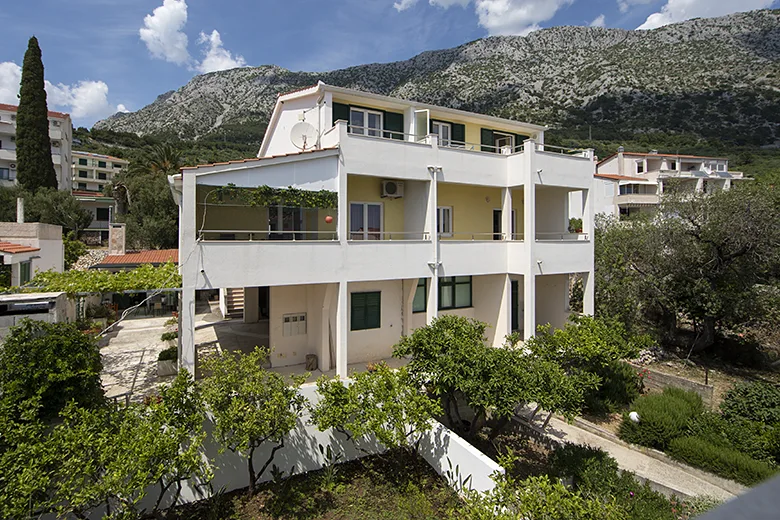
column 167, row 361
column 575, row 225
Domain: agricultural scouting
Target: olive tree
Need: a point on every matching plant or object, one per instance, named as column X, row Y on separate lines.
column 383, row 402
column 251, row 406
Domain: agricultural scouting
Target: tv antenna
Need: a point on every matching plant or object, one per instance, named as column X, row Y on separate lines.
column 304, row 136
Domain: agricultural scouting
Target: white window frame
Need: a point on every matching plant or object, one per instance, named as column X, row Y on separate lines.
column 365, row 231
column 503, row 135
column 440, row 220
column 294, row 324
column 436, row 129
column 365, row 130
column 640, row 167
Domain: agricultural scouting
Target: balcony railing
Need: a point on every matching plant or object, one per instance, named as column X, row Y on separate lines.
column 363, row 131
column 387, row 236
column 561, row 237
column 637, row 198
column 257, row 235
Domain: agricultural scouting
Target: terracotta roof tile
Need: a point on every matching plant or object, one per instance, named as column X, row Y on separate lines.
column 297, row 90
column 254, row 159
column 13, row 249
column 153, row 256
column 14, row 108
column 81, row 193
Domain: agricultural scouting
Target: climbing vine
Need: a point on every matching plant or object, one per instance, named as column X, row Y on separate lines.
column 268, row 196
column 142, row 278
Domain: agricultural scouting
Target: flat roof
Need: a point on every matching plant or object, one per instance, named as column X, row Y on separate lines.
column 256, row 159
column 28, row 297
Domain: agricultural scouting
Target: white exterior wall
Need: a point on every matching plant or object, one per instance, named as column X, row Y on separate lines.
column 47, row 237
column 552, row 300
column 373, row 344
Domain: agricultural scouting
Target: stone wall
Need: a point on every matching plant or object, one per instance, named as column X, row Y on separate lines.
column 656, row 381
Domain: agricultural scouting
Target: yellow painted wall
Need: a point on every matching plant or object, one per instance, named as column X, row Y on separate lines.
column 473, row 135
column 228, row 217
column 472, row 209
column 518, row 204
column 361, row 188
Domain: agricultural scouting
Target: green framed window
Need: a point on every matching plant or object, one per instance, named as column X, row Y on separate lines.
column 25, row 272
column 366, row 310
column 82, row 162
column 420, row 302
column 454, row 292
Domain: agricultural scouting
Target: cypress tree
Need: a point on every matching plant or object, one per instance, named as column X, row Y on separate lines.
column 35, row 168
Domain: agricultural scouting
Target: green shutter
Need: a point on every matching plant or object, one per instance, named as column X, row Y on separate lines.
column 395, row 123
column 488, row 141
column 358, row 320
column 340, row 111
column 519, row 138
column 458, row 133
column 373, row 310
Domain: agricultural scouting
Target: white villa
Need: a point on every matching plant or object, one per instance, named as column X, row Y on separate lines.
column 628, row 183
column 439, row 211
column 91, row 173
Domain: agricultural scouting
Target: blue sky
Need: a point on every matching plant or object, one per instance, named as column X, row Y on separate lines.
column 107, row 55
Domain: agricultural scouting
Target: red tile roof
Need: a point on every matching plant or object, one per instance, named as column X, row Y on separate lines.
column 254, row 159
column 297, row 90
column 13, row 249
column 617, row 177
column 154, row 256
column 79, row 193
column 14, row 108
column 674, row 155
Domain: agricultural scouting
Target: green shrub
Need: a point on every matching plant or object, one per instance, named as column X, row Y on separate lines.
column 662, row 417
column 169, row 354
column 755, row 439
column 755, row 401
column 100, row 311
column 169, row 336
column 726, row 462
column 620, row 386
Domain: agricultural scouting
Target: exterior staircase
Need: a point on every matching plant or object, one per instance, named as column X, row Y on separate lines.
column 234, row 300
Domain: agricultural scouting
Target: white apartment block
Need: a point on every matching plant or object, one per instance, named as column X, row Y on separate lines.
column 439, row 211
column 60, row 133
column 628, row 183
column 90, row 174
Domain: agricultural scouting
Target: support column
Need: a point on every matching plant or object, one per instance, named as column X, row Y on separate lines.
column 408, row 289
column 325, row 327
column 188, row 267
column 529, row 233
column 342, row 329
column 506, row 213
column 504, row 318
column 432, row 309
column 251, row 304
column 589, row 293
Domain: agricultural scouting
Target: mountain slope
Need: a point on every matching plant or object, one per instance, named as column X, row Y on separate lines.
column 716, row 77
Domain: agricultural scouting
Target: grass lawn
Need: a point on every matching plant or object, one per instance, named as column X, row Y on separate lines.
column 393, row 486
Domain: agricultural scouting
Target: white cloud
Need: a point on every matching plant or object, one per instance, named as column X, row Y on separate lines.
column 599, row 21
column 680, row 10
column 162, row 32
column 625, row 5
column 10, row 77
column 121, row 108
column 403, row 5
column 216, row 56
column 501, row 17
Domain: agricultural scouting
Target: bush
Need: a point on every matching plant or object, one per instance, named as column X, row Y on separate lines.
column 100, row 311
column 756, row 401
column 169, row 336
column 723, row 461
column 662, row 417
column 48, row 365
column 755, row 439
column 620, row 386
column 73, row 248
column 169, row 354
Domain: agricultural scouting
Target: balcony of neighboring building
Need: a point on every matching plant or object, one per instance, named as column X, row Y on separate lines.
column 632, row 194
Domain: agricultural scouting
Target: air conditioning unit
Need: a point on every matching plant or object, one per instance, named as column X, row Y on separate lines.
column 392, row 189
column 12, row 166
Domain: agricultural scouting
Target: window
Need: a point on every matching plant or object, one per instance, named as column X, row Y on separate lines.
column 82, row 185
column 366, row 310
column 83, row 174
column 101, row 164
column 365, row 221
column 102, row 176
column 444, row 131
column 454, row 292
column 286, row 222
column 672, row 165
column 294, row 324
column 25, row 272
column 640, row 167
column 365, row 122
column 420, row 302
column 444, row 221
column 5, row 174
column 82, row 162
column 721, row 167
column 102, row 214
column 116, row 165
column 13, row 117
column 502, row 140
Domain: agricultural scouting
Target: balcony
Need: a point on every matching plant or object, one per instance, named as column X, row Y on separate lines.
column 637, row 199
column 7, row 155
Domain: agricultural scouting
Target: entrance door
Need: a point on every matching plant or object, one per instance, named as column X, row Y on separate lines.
column 515, row 306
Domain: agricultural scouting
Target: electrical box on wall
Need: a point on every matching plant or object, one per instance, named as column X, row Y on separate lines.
column 294, row 324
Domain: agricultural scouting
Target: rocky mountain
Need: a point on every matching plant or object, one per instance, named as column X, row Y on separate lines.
column 717, row 77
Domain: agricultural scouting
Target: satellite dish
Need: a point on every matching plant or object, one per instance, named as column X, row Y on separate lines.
column 304, row 136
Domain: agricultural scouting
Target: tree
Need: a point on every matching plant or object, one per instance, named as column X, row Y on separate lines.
column 60, row 208
column 35, row 168
column 47, row 365
column 251, row 406
column 74, row 249
column 383, row 403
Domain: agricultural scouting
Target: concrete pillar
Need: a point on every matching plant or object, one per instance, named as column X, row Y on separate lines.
column 588, row 293
column 342, row 221
column 529, row 231
column 506, row 213
column 325, row 329
column 342, row 329
column 188, row 267
column 504, row 318
column 409, row 288
column 432, row 309
column 251, row 304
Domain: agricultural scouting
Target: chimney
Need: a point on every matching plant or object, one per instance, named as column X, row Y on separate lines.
column 621, row 166
column 116, row 239
column 20, row 210
column 653, row 152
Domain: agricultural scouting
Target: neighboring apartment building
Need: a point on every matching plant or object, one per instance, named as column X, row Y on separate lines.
column 60, row 133
column 439, row 211
column 629, row 183
column 29, row 247
column 91, row 172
